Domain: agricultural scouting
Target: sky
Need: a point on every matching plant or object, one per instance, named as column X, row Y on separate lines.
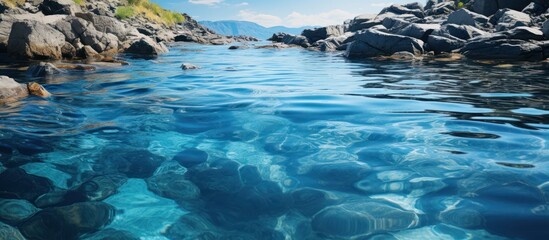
column 289, row 13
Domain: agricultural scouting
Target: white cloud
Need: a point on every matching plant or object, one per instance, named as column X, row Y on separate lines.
column 260, row 18
column 333, row 17
column 205, row 2
column 296, row 19
column 243, row 4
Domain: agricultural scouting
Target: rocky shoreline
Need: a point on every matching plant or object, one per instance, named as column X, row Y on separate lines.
column 505, row 30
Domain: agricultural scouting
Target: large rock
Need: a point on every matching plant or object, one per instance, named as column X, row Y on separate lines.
column 10, row 90
column 106, row 24
column 545, row 29
column 174, row 186
column 35, row 40
column 463, row 32
column 441, row 8
column 361, row 22
column 43, row 69
column 68, row 222
column 440, row 44
column 499, row 48
column 134, row 163
column 14, row 211
column 489, row 7
column 466, row 17
column 316, row 34
column 15, row 183
column 88, row 35
column 535, row 8
column 510, row 19
column 419, row 31
column 146, row 46
column 414, row 9
column 67, row 7
column 372, row 43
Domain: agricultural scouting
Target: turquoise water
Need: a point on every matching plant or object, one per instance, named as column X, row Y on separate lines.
column 296, row 144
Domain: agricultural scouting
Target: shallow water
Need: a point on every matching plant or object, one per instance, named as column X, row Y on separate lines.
column 295, row 144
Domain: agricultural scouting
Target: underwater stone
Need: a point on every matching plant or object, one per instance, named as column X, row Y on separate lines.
column 135, row 163
column 173, row 186
column 340, row 175
column 16, row 183
column 362, row 219
column 110, row 234
column 14, row 211
column 309, row 201
column 67, row 223
column 8, row 232
column 250, row 175
column 220, row 179
column 191, row 157
column 192, row 226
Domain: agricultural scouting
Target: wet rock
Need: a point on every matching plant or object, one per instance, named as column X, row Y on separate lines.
column 362, row 22
column 188, row 66
column 97, row 188
column 15, row 183
column 535, row 9
column 192, row 226
column 316, row 34
column 309, row 201
column 35, row 40
column 462, row 32
column 68, row 51
column 89, row 53
column 250, row 175
column 110, row 234
column 371, row 43
column 516, row 165
column 173, row 186
column 440, row 44
column 134, row 163
column 524, row 33
column 65, row 223
column 43, row 69
column 223, row 178
column 10, row 90
column 8, row 232
column 191, row 157
column 466, row 17
column 362, row 219
column 419, row 31
column 146, row 46
column 503, row 49
column 14, row 211
column 511, row 19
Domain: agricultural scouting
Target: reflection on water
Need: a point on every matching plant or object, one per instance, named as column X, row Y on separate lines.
column 280, row 144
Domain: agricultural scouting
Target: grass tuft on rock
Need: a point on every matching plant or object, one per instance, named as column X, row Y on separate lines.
column 14, row 3
column 149, row 10
column 80, row 2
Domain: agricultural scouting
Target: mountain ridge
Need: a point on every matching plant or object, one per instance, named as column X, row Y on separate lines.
column 247, row 28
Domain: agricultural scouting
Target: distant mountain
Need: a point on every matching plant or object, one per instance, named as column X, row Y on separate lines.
column 237, row 28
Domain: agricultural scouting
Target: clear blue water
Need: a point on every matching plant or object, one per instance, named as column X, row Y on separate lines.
column 299, row 145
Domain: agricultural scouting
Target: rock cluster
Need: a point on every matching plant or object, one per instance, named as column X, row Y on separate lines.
column 480, row 29
column 61, row 29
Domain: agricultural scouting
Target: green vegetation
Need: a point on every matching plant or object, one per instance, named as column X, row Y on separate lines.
column 149, row 10
column 14, row 3
column 80, row 2
column 124, row 12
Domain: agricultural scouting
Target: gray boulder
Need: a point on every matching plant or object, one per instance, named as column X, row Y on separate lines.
column 413, row 8
column 503, row 49
column 442, row 8
column 489, row 7
column 361, row 22
column 371, row 43
column 146, row 46
column 88, row 35
column 511, row 19
column 535, row 8
column 463, row 32
column 35, row 40
column 291, row 39
column 440, row 44
column 43, row 69
column 545, row 29
column 336, row 43
column 10, row 90
column 316, row 34
column 524, row 33
column 419, row 31
column 106, row 24
column 188, row 66
column 466, row 17
column 67, row 7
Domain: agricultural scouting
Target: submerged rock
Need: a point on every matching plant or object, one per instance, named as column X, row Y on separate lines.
column 134, row 163
column 65, row 223
column 11, row 91
column 173, row 186
column 14, row 211
column 309, row 201
column 191, row 157
column 110, row 234
column 362, row 219
column 35, row 40
column 16, row 183
column 188, row 66
column 43, row 69
column 224, row 178
column 8, row 232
